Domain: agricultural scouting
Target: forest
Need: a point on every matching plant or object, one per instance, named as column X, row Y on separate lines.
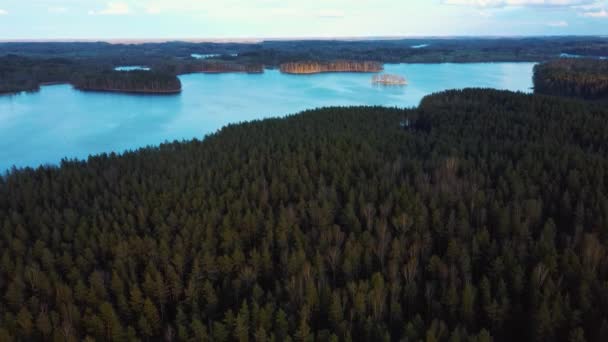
column 309, row 67
column 19, row 73
column 210, row 66
column 275, row 52
column 573, row 77
column 479, row 216
column 149, row 82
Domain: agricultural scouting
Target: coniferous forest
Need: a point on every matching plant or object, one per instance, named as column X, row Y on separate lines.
column 480, row 216
column 152, row 82
column 573, row 77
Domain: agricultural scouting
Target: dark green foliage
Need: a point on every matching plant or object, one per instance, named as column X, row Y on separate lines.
column 275, row 52
column 24, row 74
column 131, row 81
column 182, row 67
column 573, row 77
column 19, row 73
column 485, row 220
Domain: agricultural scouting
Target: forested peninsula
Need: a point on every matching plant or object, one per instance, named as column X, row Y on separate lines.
column 19, row 73
column 145, row 82
column 26, row 74
column 573, row 77
column 480, row 216
column 312, row 67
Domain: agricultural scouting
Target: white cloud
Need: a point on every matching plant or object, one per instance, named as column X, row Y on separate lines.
column 485, row 14
column 113, row 8
column 561, row 23
column 331, row 13
column 57, row 10
column 3, row 12
column 160, row 6
column 519, row 3
column 602, row 13
column 153, row 10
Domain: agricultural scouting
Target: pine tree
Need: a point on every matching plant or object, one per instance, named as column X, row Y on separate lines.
column 24, row 322
column 43, row 324
column 241, row 329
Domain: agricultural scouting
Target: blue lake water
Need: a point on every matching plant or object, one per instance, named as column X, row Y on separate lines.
column 58, row 121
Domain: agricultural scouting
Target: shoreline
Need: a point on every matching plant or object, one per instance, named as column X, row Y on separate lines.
column 330, row 72
column 173, row 92
column 97, row 90
column 223, row 72
column 140, row 92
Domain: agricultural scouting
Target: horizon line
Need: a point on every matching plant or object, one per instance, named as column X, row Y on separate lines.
column 270, row 38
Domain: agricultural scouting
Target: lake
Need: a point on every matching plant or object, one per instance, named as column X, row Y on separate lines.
column 58, row 121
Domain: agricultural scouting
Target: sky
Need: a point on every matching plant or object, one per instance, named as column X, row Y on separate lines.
column 223, row 19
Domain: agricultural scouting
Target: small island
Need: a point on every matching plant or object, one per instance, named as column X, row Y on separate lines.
column 142, row 82
column 389, row 79
column 310, row 67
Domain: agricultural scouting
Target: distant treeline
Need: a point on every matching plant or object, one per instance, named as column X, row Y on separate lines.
column 573, row 77
column 274, row 53
column 218, row 67
column 132, row 81
column 58, row 62
column 312, row 67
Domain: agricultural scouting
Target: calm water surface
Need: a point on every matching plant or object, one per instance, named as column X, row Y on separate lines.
column 57, row 122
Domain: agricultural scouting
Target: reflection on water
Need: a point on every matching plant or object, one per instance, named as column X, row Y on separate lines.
column 58, row 121
column 211, row 55
column 570, row 55
column 132, row 68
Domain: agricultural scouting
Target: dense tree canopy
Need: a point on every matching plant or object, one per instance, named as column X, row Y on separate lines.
column 582, row 78
column 480, row 216
column 20, row 73
column 311, row 67
column 275, row 52
column 131, row 81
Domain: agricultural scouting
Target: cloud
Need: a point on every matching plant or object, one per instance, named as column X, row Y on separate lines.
column 331, row 14
column 3, row 12
column 561, row 23
column 485, row 14
column 57, row 10
column 160, row 6
column 153, row 10
column 518, row 3
column 113, row 8
column 602, row 13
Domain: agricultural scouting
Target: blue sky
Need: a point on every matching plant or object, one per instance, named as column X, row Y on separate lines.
column 138, row 19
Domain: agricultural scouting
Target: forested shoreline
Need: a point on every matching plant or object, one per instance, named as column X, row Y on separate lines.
column 312, row 67
column 147, row 82
column 24, row 66
column 573, row 77
column 18, row 73
column 481, row 216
